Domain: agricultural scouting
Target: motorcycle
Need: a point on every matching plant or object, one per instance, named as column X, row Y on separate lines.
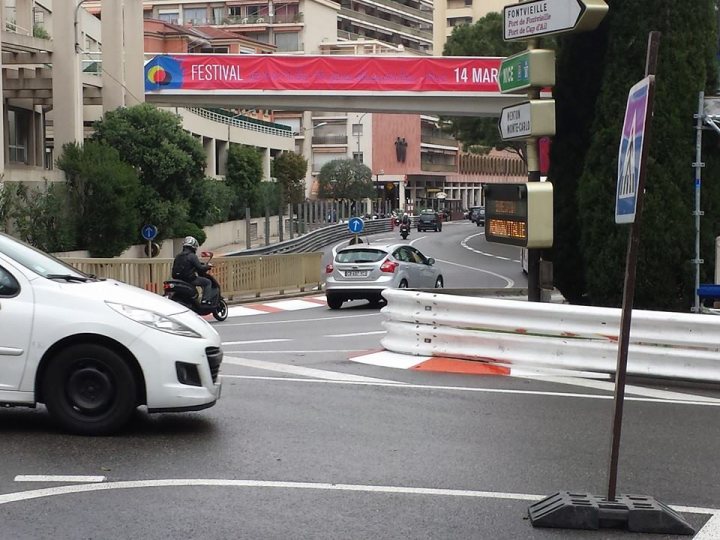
column 404, row 230
column 186, row 294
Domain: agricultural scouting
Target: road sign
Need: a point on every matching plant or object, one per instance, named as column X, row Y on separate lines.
column 149, row 232
column 530, row 68
column 356, row 225
column 544, row 17
column 631, row 151
column 534, row 118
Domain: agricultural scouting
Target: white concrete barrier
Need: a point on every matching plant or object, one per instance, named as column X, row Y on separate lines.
column 662, row 344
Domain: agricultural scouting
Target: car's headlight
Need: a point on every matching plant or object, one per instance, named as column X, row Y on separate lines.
column 153, row 320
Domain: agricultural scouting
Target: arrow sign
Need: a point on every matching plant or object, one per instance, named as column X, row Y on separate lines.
column 356, row 225
column 534, row 118
column 149, row 232
column 535, row 67
column 545, row 17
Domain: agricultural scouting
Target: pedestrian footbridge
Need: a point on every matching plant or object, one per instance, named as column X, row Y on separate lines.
column 453, row 86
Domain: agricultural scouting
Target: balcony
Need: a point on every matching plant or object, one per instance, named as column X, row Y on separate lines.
column 278, row 18
column 336, row 140
column 439, row 140
column 438, row 167
column 401, row 29
column 397, row 6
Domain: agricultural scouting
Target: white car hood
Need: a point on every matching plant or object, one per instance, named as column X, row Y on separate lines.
column 122, row 293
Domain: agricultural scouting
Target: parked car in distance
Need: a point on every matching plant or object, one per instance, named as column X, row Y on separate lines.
column 429, row 221
column 363, row 271
column 93, row 350
column 477, row 215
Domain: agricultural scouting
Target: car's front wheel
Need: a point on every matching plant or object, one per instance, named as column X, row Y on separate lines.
column 439, row 283
column 89, row 389
column 334, row 302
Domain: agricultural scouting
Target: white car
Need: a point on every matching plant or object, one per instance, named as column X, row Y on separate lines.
column 93, row 350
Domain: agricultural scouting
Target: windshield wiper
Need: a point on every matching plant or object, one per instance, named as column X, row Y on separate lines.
column 70, row 277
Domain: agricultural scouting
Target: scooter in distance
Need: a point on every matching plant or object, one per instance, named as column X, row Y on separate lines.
column 186, row 294
column 404, row 230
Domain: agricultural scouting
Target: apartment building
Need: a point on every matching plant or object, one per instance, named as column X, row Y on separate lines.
column 448, row 14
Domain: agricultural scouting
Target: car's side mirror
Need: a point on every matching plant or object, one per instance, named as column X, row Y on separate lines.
column 430, row 261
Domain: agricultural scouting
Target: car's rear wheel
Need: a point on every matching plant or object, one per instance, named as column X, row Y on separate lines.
column 439, row 283
column 403, row 285
column 334, row 302
column 89, row 389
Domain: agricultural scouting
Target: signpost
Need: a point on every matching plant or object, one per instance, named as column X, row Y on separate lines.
column 547, row 17
column 535, row 118
column 535, row 67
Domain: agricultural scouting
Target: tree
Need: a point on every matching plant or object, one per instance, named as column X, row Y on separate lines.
column 244, row 174
column 103, row 197
column 686, row 66
column 484, row 38
column 289, row 168
column 167, row 159
column 345, row 180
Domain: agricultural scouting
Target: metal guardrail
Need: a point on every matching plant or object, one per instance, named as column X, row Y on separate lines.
column 317, row 239
column 251, row 126
column 662, row 345
column 238, row 276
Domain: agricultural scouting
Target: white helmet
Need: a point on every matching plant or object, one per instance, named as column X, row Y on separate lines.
column 191, row 242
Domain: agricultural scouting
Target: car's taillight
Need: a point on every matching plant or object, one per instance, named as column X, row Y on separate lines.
column 329, row 269
column 389, row 266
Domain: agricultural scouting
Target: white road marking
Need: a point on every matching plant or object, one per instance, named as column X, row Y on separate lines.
column 389, row 359
column 509, row 391
column 357, row 334
column 299, row 370
column 510, row 282
column 254, row 341
column 321, row 486
column 293, row 305
column 711, row 529
column 464, row 244
column 295, row 321
column 242, row 311
column 629, row 388
column 297, row 351
column 57, row 478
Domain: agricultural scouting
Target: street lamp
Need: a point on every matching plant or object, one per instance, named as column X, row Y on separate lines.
column 379, row 195
column 359, row 132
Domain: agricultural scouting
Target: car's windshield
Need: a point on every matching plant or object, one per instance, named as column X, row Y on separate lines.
column 33, row 259
column 360, row 255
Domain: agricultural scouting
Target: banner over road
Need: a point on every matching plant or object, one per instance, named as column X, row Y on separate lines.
column 322, row 73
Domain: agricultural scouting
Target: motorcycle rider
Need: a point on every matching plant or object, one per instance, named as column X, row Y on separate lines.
column 187, row 265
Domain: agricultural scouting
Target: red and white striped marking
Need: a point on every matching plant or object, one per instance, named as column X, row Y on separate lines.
column 431, row 363
column 276, row 306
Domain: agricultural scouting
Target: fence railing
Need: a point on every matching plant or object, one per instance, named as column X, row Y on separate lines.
column 244, row 124
column 239, row 277
column 663, row 345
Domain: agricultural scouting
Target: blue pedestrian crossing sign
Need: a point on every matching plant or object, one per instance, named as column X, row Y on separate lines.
column 630, row 155
column 356, row 225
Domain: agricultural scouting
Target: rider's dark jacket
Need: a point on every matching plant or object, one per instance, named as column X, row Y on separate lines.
column 187, row 265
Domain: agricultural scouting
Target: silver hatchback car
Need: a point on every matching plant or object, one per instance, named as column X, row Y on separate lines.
column 362, row 271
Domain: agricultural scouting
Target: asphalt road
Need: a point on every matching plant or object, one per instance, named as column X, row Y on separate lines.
column 308, row 442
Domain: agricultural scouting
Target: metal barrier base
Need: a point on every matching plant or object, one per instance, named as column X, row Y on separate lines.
column 635, row 513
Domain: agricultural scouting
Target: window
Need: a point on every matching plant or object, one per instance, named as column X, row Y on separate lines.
column 235, row 11
column 195, row 16
column 357, row 130
column 218, row 14
column 287, row 41
column 169, row 16
column 17, row 136
column 468, row 2
column 358, row 156
column 8, row 284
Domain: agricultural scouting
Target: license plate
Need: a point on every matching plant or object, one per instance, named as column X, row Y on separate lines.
column 356, row 273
